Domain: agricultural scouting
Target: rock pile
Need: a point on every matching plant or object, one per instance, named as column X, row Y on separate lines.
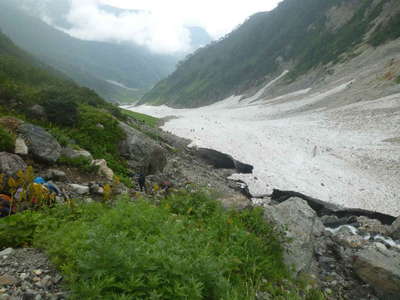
column 27, row 274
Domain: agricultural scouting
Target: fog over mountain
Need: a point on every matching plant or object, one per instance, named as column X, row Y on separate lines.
column 95, row 21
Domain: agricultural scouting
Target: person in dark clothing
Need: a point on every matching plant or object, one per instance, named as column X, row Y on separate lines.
column 142, row 182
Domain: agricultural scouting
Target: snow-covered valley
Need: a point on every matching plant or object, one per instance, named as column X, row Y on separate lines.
column 338, row 142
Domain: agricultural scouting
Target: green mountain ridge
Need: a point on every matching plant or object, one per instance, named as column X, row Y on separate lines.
column 89, row 63
column 297, row 35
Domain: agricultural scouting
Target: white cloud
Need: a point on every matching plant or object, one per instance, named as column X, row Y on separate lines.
column 161, row 25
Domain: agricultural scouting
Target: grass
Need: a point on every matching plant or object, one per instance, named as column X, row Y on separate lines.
column 187, row 247
column 148, row 120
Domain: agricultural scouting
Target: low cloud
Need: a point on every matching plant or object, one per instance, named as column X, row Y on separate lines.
column 160, row 25
column 145, row 28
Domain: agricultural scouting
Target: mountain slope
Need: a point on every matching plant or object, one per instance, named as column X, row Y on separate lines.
column 104, row 67
column 297, row 35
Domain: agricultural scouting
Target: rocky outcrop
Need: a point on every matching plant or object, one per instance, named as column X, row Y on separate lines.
column 141, row 151
column 73, row 153
column 221, row 160
column 10, row 164
column 42, row 145
column 379, row 267
column 301, row 225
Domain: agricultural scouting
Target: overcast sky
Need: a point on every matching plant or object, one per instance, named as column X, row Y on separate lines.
column 161, row 24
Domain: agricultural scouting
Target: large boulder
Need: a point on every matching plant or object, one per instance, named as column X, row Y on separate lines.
column 10, row 164
column 221, row 160
column 301, row 226
column 142, row 151
column 42, row 145
column 380, row 268
column 395, row 229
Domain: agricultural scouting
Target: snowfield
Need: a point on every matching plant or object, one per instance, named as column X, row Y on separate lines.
column 348, row 155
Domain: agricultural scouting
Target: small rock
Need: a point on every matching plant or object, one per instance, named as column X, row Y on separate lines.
column 37, row 272
column 7, row 251
column 7, row 280
column 80, row 189
column 372, row 226
column 57, row 175
column 46, row 281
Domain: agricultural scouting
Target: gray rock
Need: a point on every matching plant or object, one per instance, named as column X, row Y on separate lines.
column 380, row 268
column 142, row 151
column 72, row 153
column 301, row 225
column 57, row 175
column 7, row 251
column 350, row 241
column 372, row 226
column 394, row 229
column 10, row 164
column 42, row 145
column 80, row 189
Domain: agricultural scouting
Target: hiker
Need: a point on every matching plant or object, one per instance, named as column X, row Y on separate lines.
column 142, row 182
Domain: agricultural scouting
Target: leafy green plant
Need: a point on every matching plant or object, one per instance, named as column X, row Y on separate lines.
column 7, row 140
column 398, row 79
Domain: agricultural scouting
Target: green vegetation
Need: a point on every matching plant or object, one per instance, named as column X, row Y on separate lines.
column 397, row 80
column 7, row 140
column 148, row 120
column 296, row 32
column 187, row 247
column 386, row 32
column 83, row 163
column 76, row 116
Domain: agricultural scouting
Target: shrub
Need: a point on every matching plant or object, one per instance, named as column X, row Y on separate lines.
column 7, row 140
column 82, row 163
column 187, row 247
column 398, row 79
column 60, row 111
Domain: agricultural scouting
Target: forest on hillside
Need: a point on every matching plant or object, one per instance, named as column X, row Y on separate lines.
column 295, row 33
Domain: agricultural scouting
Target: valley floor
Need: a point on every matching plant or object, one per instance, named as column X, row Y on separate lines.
column 348, row 154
